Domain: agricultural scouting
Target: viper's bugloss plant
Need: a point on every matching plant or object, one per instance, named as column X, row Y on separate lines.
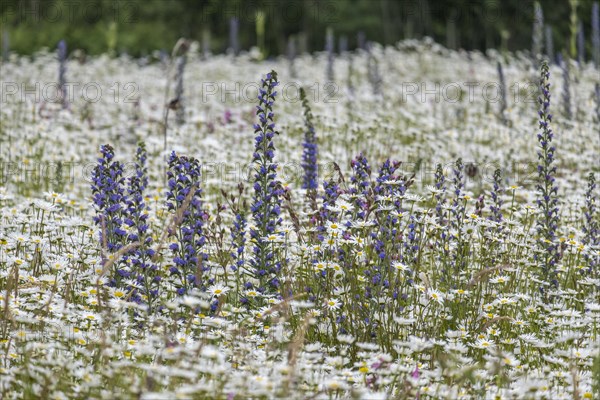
column 62, row 71
column 596, row 33
column 457, row 218
column 361, row 181
column 373, row 72
column 497, row 202
column 440, row 194
column 590, row 222
column 597, row 98
column 382, row 279
column 386, row 179
column 389, row 186
column 291, row 56
column 108, row 194
column 331, row 192
column 566, row 90
column 412, row 242
column 580, row 44
column 310, row 152
column 237, row 236
column 238, row 233
column 388, row 189
column 137, row 183
column 503, row 104
column 184, row 199
column 266, row 206
column 329, row 48
column 136, row 219
column 537, row 32
column 180, row 111
column 458, row 202
column 234, row 28
column 548, row 255
column 442, row 240
column 350, row 83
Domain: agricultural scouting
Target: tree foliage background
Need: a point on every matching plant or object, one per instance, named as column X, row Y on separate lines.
column 139, row 27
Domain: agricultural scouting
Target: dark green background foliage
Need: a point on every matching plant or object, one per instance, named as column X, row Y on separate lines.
column 141, row 26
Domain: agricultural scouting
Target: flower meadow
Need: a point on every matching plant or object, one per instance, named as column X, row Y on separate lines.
column 399, row 222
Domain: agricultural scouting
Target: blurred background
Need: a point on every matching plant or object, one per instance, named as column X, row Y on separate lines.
column 275, row 27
